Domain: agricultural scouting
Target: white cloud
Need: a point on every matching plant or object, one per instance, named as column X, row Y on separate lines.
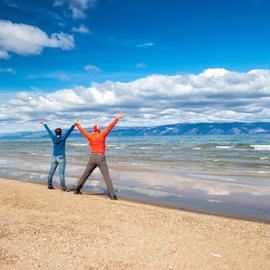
column 76, row 7
column 51, row 76
column 91, row 68
column 211, row 96
column 26, row 39
column 4, row 55
column 216, row 72
column 63, row 77
column 8, row 70
column 145, row 45
column 81, row 29
column 141, row 65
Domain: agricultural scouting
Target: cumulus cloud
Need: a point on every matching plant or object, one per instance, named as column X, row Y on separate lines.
column 26, row 39
column 141, row 65
column 76, row 7
column 211, row 96
column 81, row 29
column 92, row 68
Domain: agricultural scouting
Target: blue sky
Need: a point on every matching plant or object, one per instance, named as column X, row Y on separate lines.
column 94, row 45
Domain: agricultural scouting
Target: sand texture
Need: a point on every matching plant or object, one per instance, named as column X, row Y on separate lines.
column 51, row 229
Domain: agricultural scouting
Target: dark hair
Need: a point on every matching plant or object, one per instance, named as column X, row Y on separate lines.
column 58, row 131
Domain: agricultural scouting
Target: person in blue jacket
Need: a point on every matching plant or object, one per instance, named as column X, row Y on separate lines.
column 59, row 155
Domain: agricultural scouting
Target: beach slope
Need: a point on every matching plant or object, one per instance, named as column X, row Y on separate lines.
column 50, row 229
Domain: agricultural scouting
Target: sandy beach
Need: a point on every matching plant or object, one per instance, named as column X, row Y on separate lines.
column 50, row 229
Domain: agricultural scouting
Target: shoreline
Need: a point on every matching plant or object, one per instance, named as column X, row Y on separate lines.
column 156, row 204
column 50, row 229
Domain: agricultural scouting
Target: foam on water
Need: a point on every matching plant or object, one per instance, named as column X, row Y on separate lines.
column 214, row 201
column 261, row 147
column 79, row 144
column 224, row 147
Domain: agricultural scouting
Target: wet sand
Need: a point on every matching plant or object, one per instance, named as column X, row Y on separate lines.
column 50, row 229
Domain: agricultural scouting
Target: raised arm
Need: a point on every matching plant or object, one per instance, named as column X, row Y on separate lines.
column 47, row 128
column 83, row 131
column 112, row 124
column 69, row 132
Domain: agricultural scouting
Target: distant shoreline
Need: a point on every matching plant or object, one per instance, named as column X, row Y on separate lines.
column 181, row 129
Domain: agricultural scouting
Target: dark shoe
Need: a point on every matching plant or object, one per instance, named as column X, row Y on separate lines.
column 77, row 192
column 114, row 197
column 65, row 189
column 51, row 187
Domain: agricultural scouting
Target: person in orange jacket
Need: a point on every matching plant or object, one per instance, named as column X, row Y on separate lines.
column 97, row 144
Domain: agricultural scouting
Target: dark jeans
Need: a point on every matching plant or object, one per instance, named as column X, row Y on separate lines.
column 59, row 161
column 97, row 160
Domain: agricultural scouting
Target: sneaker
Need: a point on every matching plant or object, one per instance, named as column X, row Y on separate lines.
column 51, row 187
column 77, row 192
column 65, row 189
column 114, row 197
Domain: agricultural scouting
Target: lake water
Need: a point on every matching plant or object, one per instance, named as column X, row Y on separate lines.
column 227, row 175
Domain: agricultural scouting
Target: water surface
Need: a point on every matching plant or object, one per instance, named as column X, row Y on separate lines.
column 217, row 174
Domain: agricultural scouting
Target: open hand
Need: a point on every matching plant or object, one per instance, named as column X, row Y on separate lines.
column 119, row 116
column 42, row 122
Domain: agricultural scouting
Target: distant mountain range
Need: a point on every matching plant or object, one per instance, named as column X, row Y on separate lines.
column 235, row 128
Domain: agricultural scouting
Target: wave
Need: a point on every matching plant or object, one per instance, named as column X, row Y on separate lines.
column 224, row 147
column 79, row 144
column 262, row 172
column 177, row 147
column 197, row 148
column 214, row 201
column 258, row 147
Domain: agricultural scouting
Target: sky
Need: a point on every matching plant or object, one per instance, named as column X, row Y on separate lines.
column 158, row 62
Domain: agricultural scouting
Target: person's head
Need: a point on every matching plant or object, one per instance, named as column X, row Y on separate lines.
column 58, row 131
column 96, row 128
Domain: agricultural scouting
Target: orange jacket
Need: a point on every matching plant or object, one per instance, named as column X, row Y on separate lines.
column 97, row 139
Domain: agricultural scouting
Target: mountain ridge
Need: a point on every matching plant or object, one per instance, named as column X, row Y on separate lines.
column 231, row 128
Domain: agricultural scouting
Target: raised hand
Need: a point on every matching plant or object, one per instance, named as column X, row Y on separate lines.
column 119, row 116
column 75, row 122
column 42, row 122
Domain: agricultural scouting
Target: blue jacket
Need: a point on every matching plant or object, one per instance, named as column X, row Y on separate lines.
column 59, row 142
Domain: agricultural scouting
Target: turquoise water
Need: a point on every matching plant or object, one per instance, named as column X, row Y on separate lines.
column 219, row 174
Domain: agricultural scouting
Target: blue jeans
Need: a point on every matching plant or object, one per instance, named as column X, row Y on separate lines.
column 61, row 161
